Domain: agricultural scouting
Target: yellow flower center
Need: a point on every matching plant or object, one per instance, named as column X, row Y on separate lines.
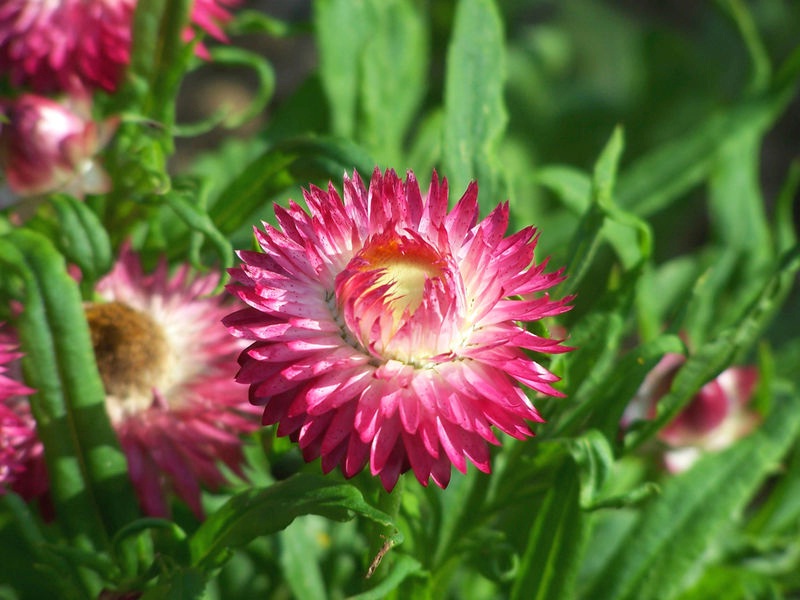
column 132, row 354
column 405, row 270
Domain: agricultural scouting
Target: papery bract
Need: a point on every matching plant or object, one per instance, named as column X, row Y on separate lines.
column 388, row 331
column 21, row 452
column 167, row 364
column 51, row 146
column 71, row 45
column 715, row 418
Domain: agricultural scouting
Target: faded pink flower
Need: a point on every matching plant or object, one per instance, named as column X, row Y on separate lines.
column 21, row 452
column 167, row 364
column 68, row 45
column 715, row 418
column 48, row 146
column 387, row 331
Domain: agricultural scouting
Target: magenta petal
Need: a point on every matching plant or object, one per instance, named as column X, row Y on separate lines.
column 393, row 330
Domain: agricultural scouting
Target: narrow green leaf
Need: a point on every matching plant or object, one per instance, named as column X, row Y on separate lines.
column 180, row 584
column 586, row 239
column 189, row 207
column 340, row 57
column 87, row 469
column 230, row 116
column 785, row 232
column 258, row 182
column 605, row 397
column 780, row 513
column 736, row 205
column 82, row 238
column 258, row 512
column 571, row 185
column 595, row 458
column 668, row 542
column 256, row 21
column 759, row 57
column 548, row 569
column 383, row 36
column 597, row 336
column 307, row 158
column 734, row 583
column 719, row 353
column 475, row 112
column 300, row 563
column 397, row 44
column 77, row 233
column 171, row 57
column 669, row 171
column 404, row 566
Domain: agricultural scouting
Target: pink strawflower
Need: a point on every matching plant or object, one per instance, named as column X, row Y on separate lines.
column 715, row 418
column 168, row 364
column 49, row 146
column 387, row 331
column 67, row 45
column 21, row 453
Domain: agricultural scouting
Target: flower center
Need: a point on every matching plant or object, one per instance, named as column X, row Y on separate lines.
column 132, row 355
column 391, row 297
column 402, row 270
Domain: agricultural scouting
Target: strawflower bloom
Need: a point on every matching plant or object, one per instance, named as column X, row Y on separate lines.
column 50, row 146
column 168, row 364
column 715, row 418
column 388, row 331
column 67, row 45
column 21, row 453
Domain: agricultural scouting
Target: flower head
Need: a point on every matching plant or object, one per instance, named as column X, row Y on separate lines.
column 388, row 331
column 67, row 45
column 167, row 364
column 21, row 452
column 49, row 146
column 715, row 418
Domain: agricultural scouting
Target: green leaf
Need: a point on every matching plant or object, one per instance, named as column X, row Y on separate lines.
column 595, row 458
column 785, row 233
column 227, row 115
column 673, row 168
column 339, row 57
column 548, row 568
column 300, row 563
column 306, row 158
column 781, row 511
column 736, row 205
column 475, row 112
column 256, row 21
column 734, row 583
column 180, row 584
column 674, row 530
column 393, row 76
column 258, row 512
column 163, row 59
column 88, row 476
column 189, row 207
column 375, row 76
column 587, row 236
column 404, row 566
column 719, row 353
column 571, row 185
column 77, row 233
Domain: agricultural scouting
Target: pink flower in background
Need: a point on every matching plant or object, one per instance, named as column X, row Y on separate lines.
column 49, row 146
column 21, row 453
column 69, row 45
column 715, row 418
column 387, row 331
column 168, row 365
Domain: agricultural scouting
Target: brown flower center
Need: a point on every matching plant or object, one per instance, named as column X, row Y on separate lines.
column 132, row 354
